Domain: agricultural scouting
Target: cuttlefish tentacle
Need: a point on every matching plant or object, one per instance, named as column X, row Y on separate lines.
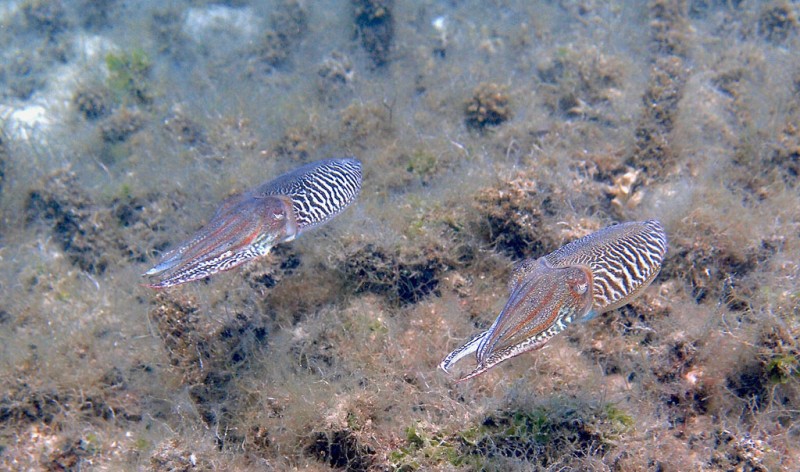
column 597, row 273
column 243, row 231
column 247, row 226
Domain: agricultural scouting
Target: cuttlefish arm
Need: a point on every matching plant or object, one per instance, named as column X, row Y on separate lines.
column 247, row 226
column 602, row 271
column 245, row 230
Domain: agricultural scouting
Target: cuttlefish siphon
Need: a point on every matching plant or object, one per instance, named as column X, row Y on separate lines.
column 594, row 274
column 248, row 225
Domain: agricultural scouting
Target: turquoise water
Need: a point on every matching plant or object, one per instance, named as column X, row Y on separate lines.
column 488, row 133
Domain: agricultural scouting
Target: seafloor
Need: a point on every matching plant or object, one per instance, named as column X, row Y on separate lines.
column 489, row 132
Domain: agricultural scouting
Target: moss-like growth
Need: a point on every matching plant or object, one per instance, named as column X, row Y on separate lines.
column 176, row 455
column 23, row 74
column 168, row 35
column 48, row 16
column 98, row 14
column 272, row 51
column 669, row 29
column 335, row 77
column 290, row 19
column 121, row 125
column 777, row 22
column 92, row 103
column 582, row 83
column 786, row 157
column 669, row 34
column 341, row 449
column 427, row 448
column 22, row 405
column 363, row 123
column 91, row 234
column 422, row 163
column 129, row 75
column 208, row 356
column 374, row 22
column 546, row 434
column 188, row 131
column 556, row 433
column 488, row 106
column 653, row 150
column 288, row 24
column 514, row 217
column 403, row 277
column 297, row 143
column 783, row 368
column 60, row 202
column 714, row 268
column 740, row 451
column 72, row 455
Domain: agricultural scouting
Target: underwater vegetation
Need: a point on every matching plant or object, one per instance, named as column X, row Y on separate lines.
column 490, row 135
column 488, row 107
column 543, row 434
column 128, row 75
column 374, row 24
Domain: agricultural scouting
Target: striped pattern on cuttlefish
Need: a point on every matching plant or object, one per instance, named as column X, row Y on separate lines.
column 248, row 225
column 594, row 274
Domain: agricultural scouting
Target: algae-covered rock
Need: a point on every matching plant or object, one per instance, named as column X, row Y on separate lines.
column 489, row 106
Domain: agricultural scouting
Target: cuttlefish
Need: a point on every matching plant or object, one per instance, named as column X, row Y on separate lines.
column 248, row 225
column 594, row 274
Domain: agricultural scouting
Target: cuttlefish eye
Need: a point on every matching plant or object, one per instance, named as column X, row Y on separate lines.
column 279, row 219
column 278, row 212
column 580, row 288
column 578, row 281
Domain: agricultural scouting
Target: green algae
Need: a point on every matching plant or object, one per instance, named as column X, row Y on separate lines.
column 537, row 435
column 128, row 75
column 783, row 368
column 424, row 449
column 422, row 163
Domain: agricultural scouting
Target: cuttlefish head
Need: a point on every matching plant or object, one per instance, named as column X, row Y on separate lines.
column 544, row 300
column 244, row 227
